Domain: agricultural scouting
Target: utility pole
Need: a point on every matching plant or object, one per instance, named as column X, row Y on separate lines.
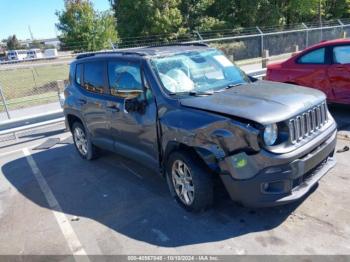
column 31, row 33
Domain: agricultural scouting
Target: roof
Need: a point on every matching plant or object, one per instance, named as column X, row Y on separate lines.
column 149, row 51
column 340, row 41
column 332, row 42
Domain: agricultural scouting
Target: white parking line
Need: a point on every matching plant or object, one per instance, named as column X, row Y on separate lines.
column 62, row 220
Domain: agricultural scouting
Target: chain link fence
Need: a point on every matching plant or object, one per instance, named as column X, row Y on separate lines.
column 32, row 87
column 28, row 89
column 244, row 44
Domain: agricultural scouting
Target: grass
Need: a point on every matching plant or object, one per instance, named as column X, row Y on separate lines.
column 25, row 87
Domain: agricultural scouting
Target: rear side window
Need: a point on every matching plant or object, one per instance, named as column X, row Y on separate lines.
column 341, row 54
column 94, row 76
column 124, row 79
column 314, row 57
column 78, row 74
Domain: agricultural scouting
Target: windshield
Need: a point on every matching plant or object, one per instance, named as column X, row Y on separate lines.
column 207, row 71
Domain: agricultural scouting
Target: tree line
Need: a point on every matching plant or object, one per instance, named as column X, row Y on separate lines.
column 82, row 28
column 148, row 17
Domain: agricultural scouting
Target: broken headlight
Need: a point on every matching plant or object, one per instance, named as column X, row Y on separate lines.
column 270, row 134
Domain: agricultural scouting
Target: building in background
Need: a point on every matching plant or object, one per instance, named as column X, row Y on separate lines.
column 48, row 42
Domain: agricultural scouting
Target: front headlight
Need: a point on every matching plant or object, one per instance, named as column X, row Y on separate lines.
column 270, row 134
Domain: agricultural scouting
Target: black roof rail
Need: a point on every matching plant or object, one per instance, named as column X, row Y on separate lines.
column 137, row 51
column 195, row 44
column 126, row 52
column 84, row 55
column 183, row 44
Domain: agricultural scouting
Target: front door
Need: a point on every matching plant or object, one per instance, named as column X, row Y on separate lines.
column 132, row 112
column 339, row 74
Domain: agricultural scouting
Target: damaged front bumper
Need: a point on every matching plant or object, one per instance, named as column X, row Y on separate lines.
column 278, row 179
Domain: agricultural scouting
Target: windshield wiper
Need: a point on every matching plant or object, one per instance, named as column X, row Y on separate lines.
column 200, row 93
column 192, row 93
column 228, row 87
column 233, row 85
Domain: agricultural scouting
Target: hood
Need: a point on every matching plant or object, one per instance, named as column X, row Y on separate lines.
column 263, row 102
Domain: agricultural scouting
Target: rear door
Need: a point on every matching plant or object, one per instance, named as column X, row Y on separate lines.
column 93, row 101
column 339, row 73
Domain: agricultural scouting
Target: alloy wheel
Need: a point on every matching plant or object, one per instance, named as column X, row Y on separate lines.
column 81, row 141
column 182, row 181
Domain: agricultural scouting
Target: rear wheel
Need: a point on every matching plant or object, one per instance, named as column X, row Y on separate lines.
column 189, row 181
column 82, row 142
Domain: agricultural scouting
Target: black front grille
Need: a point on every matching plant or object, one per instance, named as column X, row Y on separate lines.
column 308, row 123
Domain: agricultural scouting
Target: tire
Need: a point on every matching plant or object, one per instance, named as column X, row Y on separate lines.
column 82, row 142
column 201, row 181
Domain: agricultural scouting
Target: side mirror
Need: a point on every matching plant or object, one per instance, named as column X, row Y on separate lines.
column 253, row 79
column 136, row 105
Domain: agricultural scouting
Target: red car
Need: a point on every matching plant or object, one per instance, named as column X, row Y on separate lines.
column 325, row 66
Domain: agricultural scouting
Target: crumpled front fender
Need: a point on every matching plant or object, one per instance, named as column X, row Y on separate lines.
column 212, row 136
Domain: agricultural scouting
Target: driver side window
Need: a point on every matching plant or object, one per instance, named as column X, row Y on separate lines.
column 124, row 79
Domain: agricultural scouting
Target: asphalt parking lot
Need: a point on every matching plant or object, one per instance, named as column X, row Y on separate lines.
column 53, row 202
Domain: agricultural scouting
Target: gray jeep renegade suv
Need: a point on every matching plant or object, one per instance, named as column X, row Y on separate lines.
column 191, row 115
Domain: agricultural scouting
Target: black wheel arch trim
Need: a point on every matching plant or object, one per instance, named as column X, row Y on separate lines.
column 73, row 113
column 207, row 156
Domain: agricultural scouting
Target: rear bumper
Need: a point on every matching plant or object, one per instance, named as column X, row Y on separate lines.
column 285, row 182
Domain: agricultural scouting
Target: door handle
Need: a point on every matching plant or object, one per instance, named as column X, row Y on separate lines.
column 113, row 108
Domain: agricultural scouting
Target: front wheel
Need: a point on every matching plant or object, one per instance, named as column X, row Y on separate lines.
column 189, row 181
